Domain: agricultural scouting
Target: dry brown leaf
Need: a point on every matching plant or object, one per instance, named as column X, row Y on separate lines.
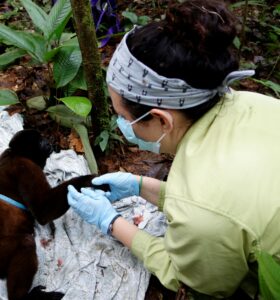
column 75, row 142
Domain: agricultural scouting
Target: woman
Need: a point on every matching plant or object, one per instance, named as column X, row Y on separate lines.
column 168, row 82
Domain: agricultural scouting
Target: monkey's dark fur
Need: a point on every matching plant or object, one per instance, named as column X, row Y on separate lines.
column 22, row 179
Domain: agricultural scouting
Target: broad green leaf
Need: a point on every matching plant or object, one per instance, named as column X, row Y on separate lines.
column 58, row 18
column 79, row 105
column 114, row 136
column 72, row 42
column 69, row 90
column 270, row 84
column 269, row 276
column 83, row 133
column 37, row 14
column 236, row 42
column 39, row 44
column 79, row 82
column 143, row 20
column 10, row 56
column 103, row 140
column 131, row 16
column 64, row 116
column 50, row 54
column 16, row 38
column 8, row 97
column 38, row 102
column 66, row 65
column 113, row 122
column 33, row 44
column 68, row 40
column 68, row 37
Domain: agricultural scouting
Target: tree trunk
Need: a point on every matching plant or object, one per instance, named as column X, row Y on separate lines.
column 85, row 30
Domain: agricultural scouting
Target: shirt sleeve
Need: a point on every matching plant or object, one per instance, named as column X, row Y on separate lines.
column 202, row 249
column 161, row 195
column 151, row 251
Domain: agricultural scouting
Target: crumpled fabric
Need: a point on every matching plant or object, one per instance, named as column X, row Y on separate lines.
column 9, row 125
column 78, row 259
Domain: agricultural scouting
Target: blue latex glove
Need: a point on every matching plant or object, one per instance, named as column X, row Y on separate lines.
column 121, row 185
column 93, row 207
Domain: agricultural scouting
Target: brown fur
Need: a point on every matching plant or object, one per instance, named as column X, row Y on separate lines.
column 24, row 181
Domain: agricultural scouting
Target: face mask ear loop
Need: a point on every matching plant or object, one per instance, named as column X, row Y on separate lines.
column 164, row 134
column 140, row 118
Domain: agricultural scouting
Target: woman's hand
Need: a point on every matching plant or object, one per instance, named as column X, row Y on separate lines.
column 93, row 207
column 121, row 185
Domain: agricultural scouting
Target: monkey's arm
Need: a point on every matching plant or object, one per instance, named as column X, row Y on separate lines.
column 55, row 202
column 56, row 208
column 44, row 202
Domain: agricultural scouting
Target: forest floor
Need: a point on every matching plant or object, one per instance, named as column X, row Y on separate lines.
column 29, row 81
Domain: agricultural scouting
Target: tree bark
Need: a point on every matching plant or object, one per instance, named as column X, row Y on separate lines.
column 85, row 30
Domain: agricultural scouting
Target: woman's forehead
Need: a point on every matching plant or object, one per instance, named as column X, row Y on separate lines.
column 116, row 99
column 117, row 103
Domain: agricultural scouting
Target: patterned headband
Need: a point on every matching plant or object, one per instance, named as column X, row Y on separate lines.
column 138, row 83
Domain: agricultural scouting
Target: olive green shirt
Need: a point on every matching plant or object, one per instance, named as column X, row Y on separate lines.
column 221, row 198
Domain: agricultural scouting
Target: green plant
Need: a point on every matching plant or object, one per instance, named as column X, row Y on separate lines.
column 134, row 19
column 8, row 97
column 275, row 87
column 258, row 42
column 61, row 52
column 74, row 114
column 47, row 45
column 106, row 135
column 4, row 16
column 28, row 41
column 250, row 2
column 269, row 276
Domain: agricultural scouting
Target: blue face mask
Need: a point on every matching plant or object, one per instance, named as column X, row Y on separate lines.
column 127, row 130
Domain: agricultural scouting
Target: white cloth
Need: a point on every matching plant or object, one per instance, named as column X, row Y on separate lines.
column 79, row 260
column 9, row 125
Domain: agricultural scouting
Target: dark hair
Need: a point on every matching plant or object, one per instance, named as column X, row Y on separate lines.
column 193, row 43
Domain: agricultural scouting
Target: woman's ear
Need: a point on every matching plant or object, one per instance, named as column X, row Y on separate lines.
column 165, row 117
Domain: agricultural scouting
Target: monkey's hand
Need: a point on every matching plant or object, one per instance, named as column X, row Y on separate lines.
column 93, row 206
column 86, row 181
column 38, row 293
column 121, row 185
